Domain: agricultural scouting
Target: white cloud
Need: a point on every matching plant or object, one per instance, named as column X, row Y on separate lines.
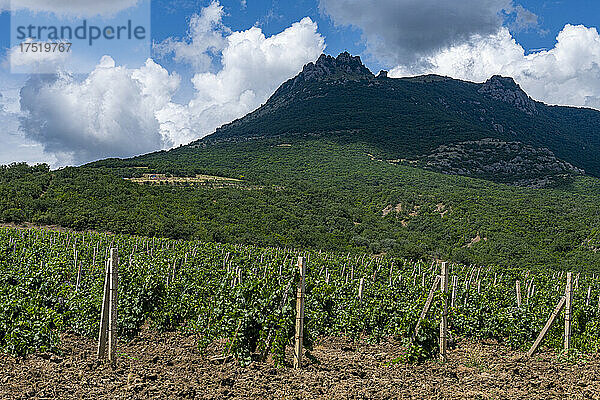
column 401, row 31
column 567, row 74
column 205, row 39
column 110, row 113
column 70, row 7
column 253, row 66
column 122, row 112
column 15, row 146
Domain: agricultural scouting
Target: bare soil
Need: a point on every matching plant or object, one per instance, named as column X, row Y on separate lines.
column 169, row 366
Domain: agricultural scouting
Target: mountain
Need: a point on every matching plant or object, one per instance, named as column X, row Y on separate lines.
column 341, row 159
column 410, row 118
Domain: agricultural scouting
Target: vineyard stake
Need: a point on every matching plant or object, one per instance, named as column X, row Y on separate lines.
column 102, row 336
column 269, row 340
column 444, row 320
column 436, row 282
column 589, row 294
column 173, row 273
column 108, row 318
column 518, row 288
column 454, row 282
column 112, row 321
column 360, row 289
column 568, row 310
column 300, row 314
column 78, row 278
column 549, row 323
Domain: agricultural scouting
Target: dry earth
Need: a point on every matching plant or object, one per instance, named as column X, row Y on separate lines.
column 168, row 366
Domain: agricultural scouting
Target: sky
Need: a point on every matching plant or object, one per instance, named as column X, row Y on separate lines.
column 208, row 62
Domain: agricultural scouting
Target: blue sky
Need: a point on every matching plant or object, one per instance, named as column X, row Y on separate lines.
column 241, row 51
column 169, row 18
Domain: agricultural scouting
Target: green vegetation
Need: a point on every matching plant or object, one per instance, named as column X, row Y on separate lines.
column 245, row 294
column 319, row 166
column 411, row 117
column 317, row 194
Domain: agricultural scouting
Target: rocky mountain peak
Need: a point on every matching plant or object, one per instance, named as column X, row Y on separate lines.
column 344, row 67
column 507, row 90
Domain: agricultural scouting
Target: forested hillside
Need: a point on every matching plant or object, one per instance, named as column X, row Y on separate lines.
column 315, row 193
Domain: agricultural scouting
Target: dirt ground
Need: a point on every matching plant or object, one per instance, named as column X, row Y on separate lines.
column 168, row 366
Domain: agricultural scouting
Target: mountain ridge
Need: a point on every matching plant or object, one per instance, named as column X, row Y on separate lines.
column 411, row 117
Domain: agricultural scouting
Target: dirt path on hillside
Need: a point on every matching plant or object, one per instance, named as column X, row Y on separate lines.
column 168, row 366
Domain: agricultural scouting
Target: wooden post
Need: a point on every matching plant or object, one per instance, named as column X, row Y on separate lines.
column 436, row 282
column 269, row 340
column 107, row 337
column 299, row 314
column 360, row 289
column 78, row 278
column 547, row 326
column 589, row 294
column 75, row 255
column 103, row 334
column 112, row 321
column 444, row 319
column 568, row 310
column 518, row 288
column 454, row 283
column 173, row 273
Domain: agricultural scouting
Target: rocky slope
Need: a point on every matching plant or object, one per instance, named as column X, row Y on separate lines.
column 507, row 162
column 411, row 117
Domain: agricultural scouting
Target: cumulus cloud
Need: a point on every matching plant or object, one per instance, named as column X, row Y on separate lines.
column 400, row 31
column 204, row 40
column 253, row 66
column 121, row 112
column 567, row 74
column 15, row 146
column 70, row 7
column 110, row 113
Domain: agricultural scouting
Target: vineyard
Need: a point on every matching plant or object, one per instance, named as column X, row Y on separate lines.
column 244, row 296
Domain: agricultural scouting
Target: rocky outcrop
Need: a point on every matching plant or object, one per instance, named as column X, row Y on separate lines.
column 342, row 68
column 507, row 162
column 508, row 91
